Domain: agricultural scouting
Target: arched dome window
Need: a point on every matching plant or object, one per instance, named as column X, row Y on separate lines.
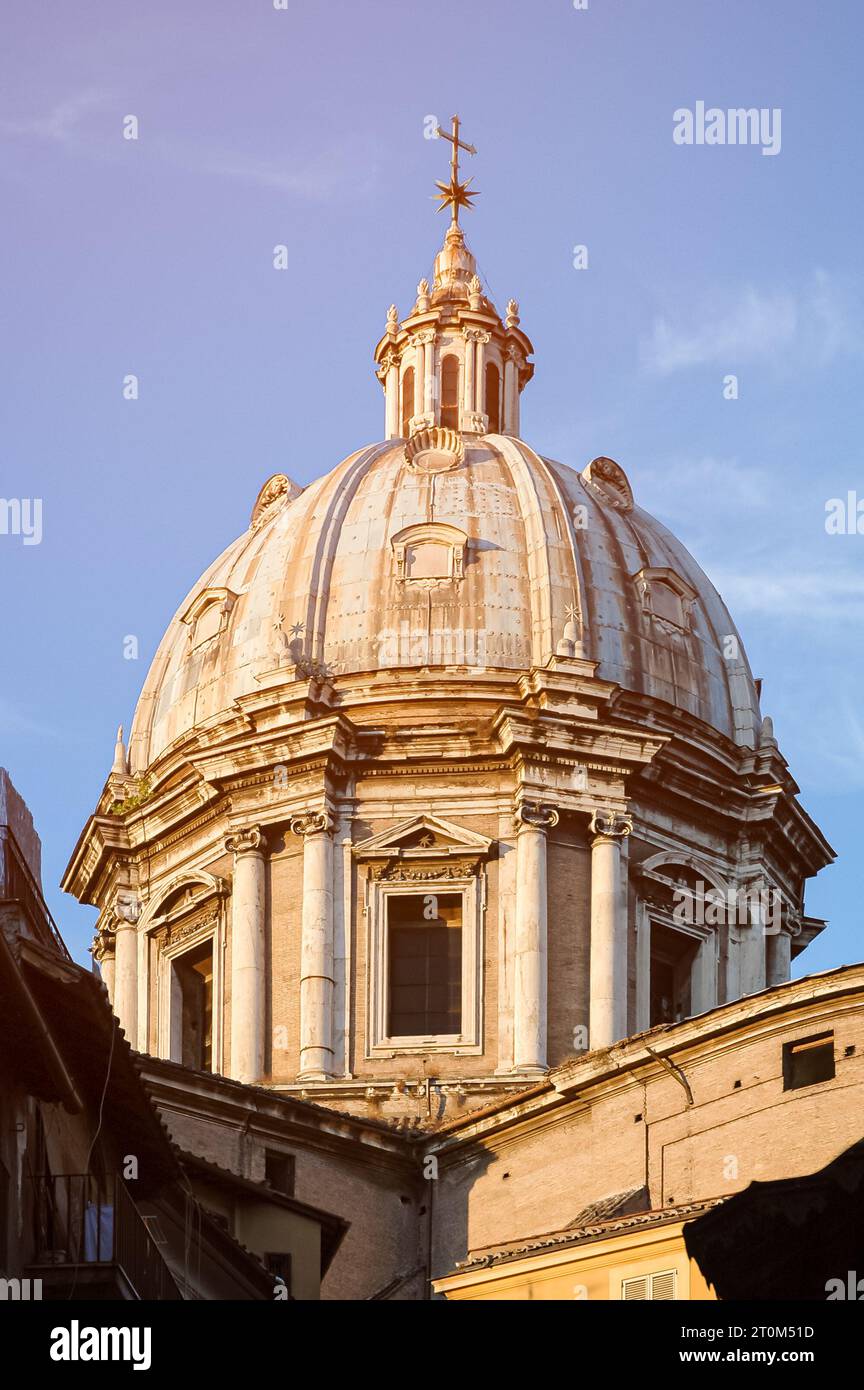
column 493, row 397
column 450, row 392
column 407, row 401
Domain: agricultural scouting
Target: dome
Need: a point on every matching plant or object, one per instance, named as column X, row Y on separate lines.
column 465, row 552
column 439, row 767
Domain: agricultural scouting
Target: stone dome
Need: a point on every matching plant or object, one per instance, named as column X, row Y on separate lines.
column 452, row 551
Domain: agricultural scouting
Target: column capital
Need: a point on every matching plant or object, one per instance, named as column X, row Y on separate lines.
column 245, row 841
column 104, row 944
column 609, row 826
column 534, row 815
column 312, row 823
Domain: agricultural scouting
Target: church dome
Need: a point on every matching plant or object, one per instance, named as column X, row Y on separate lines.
column 443, row 766
column 457, row 551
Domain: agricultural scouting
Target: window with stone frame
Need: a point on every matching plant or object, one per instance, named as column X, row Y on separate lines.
column 425, row 901
column 193, row 1005
column 424, row 954
column 185, row 936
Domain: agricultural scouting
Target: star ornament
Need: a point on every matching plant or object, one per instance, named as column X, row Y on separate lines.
column 455, row 194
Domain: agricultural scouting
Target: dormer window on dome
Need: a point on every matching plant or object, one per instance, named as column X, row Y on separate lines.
column 430, row 551
column 453, row 363
column 666, row 597
column 207, row 615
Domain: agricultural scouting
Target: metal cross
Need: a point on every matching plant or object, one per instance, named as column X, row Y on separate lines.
column 455, row 194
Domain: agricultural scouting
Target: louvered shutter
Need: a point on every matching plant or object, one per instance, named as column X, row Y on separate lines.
column 653, row 1287
column 635, row 1290
column 663, row 1285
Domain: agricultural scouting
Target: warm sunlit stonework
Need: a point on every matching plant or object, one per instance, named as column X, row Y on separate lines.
column 438, row 775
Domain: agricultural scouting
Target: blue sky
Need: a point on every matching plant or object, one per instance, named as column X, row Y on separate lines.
column 304, row 126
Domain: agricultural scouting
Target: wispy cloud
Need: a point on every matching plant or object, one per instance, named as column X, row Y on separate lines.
column 784, row 591
column 811, row 326
column 351, row 165
column 316, row 176
column 704, row 486
column 14, row 721
column 62, row 123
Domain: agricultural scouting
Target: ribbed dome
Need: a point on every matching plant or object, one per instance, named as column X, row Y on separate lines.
column 476, row 552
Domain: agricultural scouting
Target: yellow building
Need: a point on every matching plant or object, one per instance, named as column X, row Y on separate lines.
column 635, row 1258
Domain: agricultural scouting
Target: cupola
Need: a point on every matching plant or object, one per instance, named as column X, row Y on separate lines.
column 453, row 363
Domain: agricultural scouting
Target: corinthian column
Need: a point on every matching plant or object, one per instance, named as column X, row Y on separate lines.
column 468, row 390
column 481, row 339
column 103, row 948
column 608, row 1017
column 247, row 955
column 316, row 947
column 428, row 340
column 511, row 394
column 391, row 396
column 529, row 1022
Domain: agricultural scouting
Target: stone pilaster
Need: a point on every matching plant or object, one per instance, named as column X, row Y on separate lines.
column 248, row 956
column 532, row 821
column 511, row 393
column 608, row 1017
column 316, row 947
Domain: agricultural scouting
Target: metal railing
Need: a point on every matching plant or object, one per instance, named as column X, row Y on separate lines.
column 82, row 1220
column 17, row 885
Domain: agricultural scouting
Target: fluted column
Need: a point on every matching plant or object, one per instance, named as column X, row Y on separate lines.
column 468, row 393
column 124, row 996
column 608, row 1017
column 392, row 423
column 428, row 340
column 530, row 983
column 316, row 947
column 248, row 963
column 480, row 372
column 511, row 394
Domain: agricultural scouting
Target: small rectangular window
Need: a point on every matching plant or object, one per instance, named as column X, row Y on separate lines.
column 425, row 964
column 279, row 1171
column 808, row 1061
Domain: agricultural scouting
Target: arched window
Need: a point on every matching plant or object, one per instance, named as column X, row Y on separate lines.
column 407, row 401
column 493, row 397
column 450, row 392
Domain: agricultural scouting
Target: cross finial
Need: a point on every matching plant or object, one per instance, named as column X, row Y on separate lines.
column 454, row 194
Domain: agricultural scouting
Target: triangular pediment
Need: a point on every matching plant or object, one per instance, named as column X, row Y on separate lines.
column 423, row 836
